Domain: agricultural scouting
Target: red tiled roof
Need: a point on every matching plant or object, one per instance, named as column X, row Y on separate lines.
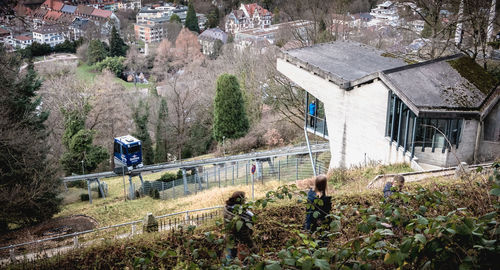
column 101, row 13
column 252, row 7
column 85, row 10
column 56, row 5
column 52, row 15
column 23, row 38
column 40, row 13
column 3, row 31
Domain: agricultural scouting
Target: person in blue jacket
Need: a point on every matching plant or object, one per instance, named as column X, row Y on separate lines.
column 312, row 113
column 323, row 209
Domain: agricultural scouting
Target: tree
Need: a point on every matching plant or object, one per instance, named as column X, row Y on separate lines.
column 213, row 18
column 141, row 120
column 113, row 64
column 230, row 119
column 161, row 133
column 191, row 19
column 29, row 187
column 175, row 19
column 82, row 156
column 116, row 45
column 96, row 52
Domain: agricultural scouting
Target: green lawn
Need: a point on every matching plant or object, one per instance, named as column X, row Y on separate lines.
column 86, row 73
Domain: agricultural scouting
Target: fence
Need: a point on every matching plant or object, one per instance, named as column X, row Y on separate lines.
column 282, row 169
column 54, row 246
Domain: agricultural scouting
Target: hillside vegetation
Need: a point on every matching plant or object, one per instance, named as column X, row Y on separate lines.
column 436, row 224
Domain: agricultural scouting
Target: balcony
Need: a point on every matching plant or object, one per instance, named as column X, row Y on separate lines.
column 315, row 119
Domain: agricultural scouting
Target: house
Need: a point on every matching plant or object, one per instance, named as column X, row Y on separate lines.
column 79, row 27
column 51, row 35
column 4, row 35
column 276, row 32
column 248, row 16
column 22, row 41
column 210, row 38
column 372, row 106
column 385, row 11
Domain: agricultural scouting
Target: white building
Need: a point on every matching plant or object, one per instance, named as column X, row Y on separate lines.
column 22, row 41
column 385, row 11
column 248, row 16
column 377, row 108
column 210, row 38
column 49, row 35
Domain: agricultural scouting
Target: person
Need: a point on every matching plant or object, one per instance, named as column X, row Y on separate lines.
column 397, row 182
column 323, row 209
column 312, row 113
column 241, row 240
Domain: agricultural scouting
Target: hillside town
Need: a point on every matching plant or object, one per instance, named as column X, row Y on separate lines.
column 249, row 134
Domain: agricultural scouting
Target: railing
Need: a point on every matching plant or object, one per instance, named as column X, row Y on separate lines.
column 53, row 246
column 317, row 126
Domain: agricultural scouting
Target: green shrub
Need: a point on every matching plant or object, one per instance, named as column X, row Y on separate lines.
column 84, row 197
column 167, row 177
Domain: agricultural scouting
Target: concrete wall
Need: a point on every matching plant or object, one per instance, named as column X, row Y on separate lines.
column 356, row 118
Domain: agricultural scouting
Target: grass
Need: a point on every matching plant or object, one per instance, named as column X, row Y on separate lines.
column 87, row 73
column 114, row 209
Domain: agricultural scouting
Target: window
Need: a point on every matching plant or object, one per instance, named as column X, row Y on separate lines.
column 134, row 149
column 410, row 131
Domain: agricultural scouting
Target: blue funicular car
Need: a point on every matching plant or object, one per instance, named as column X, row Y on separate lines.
column 127, row 154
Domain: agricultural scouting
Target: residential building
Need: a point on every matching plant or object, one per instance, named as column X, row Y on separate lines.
column 51, row 35
column 79, row 27
column 152, row 30
column 376, row 108
column 4, row 35
column 248, row 16
column 165, row 11
column 22, row 41
column 210, row 39
column 385, row 11
column 276, row 32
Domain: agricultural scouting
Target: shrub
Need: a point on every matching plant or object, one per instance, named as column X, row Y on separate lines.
column 167, row 177
column 113, row 64
column 84, row 197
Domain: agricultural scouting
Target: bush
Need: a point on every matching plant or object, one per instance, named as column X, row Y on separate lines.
column 167, row 177
column 84, row 197
column 154, row 193
column 113, row 64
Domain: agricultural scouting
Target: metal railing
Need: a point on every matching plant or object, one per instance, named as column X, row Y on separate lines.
column 57, row 245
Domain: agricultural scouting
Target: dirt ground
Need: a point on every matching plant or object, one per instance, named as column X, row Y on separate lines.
column 50, row 228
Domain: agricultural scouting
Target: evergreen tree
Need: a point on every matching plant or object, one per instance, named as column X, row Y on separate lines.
column 116, row 45
column 81, row 155
column 141, row 119
column 191, row 19
column 230, row 119
column 29, row 187
column 175, row 19
column 161, row 133
column 213, row 18
column 97, row 52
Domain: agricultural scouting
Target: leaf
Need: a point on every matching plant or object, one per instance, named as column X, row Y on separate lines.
column 321, row 264
column 495, row 192
column 316, row 214
column 249, row 225
column 239, row 224
column 421, row 238
column 273, row 266
column 422, row 221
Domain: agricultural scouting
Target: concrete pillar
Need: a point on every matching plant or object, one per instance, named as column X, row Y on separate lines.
column 184, row 180
column 90, row 191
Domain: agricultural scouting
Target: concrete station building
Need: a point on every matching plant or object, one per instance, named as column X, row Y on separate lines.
column 372, row 106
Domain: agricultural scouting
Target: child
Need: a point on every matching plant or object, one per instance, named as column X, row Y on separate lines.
column 242, row 238
column 397, row 182
column 319, row 192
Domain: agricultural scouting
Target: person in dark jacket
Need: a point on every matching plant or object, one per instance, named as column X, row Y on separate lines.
column 240, row 240
column 397, row 182
column 323, row 209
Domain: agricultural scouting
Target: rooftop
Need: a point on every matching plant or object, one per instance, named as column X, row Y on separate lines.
column 69, row 9
column 81, row 9
column 101, row 13
column 344, row 63
column 435, row 84
column 23, row 37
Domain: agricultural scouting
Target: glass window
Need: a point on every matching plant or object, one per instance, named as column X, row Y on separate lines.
column 134, row 149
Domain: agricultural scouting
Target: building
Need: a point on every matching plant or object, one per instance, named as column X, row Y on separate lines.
column 373, row 107
column 275, row 32
column 166, row 10
column 51, row 35
column 4, row 35
column 385, row 11
column 210, row 39
column 152, row 30
column 79, row 27
column 248, row 16
column 22, row 41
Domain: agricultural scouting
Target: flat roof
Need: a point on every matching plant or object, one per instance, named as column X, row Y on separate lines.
column 345, row 63
column 435, row 85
